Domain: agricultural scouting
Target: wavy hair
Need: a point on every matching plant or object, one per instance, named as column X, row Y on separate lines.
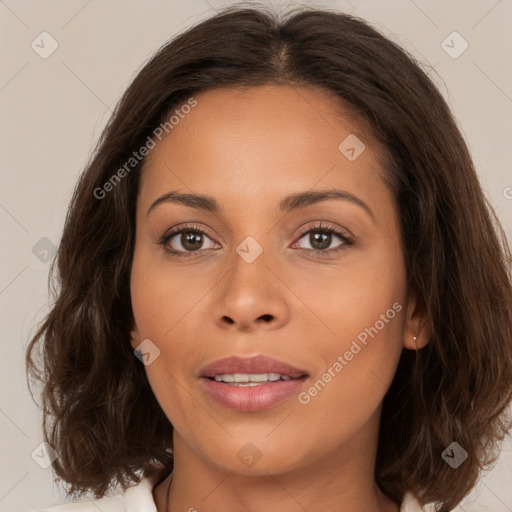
column 99, row 412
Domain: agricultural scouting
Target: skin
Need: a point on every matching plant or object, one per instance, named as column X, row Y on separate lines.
column 248, row 149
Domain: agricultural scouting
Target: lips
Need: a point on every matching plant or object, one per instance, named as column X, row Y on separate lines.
column 251, row 384
column 251, row 365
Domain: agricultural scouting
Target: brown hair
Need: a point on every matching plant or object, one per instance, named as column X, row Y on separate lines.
column 107, row 425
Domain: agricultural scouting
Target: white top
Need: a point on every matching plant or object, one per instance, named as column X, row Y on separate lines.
column 139, row 498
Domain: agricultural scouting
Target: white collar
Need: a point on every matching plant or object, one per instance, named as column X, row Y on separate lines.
column 139, row 498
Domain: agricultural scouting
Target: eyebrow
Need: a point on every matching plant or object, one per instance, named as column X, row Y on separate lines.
column 287, row 204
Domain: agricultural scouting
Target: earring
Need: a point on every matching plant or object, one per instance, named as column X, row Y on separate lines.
column 414, row 338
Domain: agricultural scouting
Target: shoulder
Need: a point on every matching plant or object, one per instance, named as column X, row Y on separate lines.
column 138, row 498
column 410, row 504
column 113, row 504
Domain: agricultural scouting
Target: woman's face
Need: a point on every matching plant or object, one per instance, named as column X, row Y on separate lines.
column 259, row 276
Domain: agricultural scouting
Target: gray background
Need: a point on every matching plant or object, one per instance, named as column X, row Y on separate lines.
column 53, row 110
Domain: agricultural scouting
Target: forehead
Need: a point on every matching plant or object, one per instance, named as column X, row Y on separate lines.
column 246, row 144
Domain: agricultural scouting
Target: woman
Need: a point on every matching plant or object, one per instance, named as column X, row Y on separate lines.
column 283, row 224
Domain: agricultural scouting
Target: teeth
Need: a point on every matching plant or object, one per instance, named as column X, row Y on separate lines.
column 250, row 379
column 244, row 384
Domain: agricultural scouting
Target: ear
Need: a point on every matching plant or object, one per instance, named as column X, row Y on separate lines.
column 416, row 327
column 134, row 335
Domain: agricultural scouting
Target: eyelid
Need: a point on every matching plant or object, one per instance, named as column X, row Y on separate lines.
column 328, row 227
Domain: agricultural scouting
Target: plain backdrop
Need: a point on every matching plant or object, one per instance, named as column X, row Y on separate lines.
column 54, row 108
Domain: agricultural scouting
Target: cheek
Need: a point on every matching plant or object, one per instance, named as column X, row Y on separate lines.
column 357, row 332
column 342, row 301
column 358, row 370
column 161, row 293
column 167, row 311
column 157, row 314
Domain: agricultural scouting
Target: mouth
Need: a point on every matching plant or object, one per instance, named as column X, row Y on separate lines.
column 251, row 384
column 249, row 379
column 251, row 369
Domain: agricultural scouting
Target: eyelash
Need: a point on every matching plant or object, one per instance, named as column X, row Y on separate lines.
column 192, row 228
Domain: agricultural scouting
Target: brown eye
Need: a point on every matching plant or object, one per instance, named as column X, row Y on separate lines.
column 185, row 240
column 321, row 238
column 191, row 240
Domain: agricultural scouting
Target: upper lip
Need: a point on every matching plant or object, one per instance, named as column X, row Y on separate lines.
column 251, row 365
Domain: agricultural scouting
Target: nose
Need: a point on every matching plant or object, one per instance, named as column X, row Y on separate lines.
column 251, row 297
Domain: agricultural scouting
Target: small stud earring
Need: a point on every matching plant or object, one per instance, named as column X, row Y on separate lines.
column 414, row 338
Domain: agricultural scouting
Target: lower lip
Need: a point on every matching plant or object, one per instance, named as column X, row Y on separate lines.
column 252, row 398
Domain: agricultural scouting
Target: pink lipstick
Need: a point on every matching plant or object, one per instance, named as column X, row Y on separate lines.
column 251, row 383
